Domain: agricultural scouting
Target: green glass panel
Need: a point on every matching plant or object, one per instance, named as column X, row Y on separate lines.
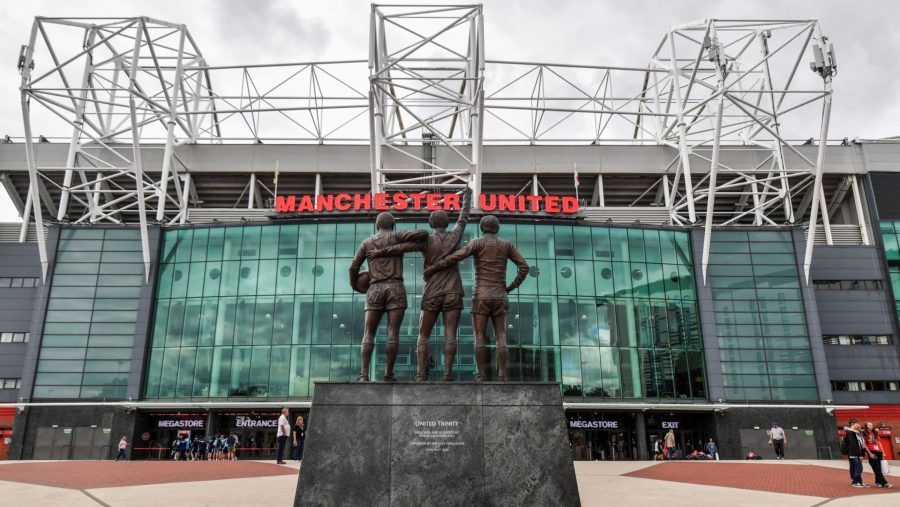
column 591, row 372
column 618, row 240
column 259, row 371
column 582, row 243
column 250, row 243
column 244, row 317
column 231, row 250
column 565, row 277
column 202, row 372
column 268, row 248
column 215, row 248
column 307, row 241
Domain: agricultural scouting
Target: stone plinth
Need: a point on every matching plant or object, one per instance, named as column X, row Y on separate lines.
column 436, row 444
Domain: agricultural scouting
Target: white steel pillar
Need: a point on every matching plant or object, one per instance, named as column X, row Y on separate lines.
column 136, row 145
column 683, row 150
column 170, row 131
column 76, row 131
column 817, row 184
column 714, row 159
column 29, row 156
column 860, row 215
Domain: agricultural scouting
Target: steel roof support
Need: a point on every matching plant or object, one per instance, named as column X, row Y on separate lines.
column 432, row 74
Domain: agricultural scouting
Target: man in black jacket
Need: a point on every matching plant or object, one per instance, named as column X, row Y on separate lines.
column 855, row 449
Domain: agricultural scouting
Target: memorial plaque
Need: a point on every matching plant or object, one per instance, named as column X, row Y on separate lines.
column 437, row 444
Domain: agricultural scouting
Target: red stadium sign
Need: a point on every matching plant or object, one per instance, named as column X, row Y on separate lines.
column 401, row 201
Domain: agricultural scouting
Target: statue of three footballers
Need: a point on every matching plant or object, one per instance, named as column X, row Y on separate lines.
column 443, row 292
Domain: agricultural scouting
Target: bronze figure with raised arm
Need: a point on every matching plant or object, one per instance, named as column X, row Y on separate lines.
column 490, row 300
column 443, row 290
column 384, row 291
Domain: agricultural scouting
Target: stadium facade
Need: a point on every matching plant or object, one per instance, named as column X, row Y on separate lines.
column 183, row 262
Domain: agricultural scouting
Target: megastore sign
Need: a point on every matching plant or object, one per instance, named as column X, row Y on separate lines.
column 181, row 423
column 401, row 201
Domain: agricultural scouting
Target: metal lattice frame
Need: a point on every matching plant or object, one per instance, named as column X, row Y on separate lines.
column 433, row 101
column 722, row 81
column 129, row 78
column 426, row 66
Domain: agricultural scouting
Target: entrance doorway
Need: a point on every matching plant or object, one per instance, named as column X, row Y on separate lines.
column 603, row 445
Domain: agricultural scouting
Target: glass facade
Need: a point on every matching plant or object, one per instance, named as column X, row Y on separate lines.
column 760, row 319
column 89, row 329
column 890, row 235
column 265, row 311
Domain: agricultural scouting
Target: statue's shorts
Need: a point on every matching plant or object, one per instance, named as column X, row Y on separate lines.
column 386, row 296
column 442, row 303
column 490, row 307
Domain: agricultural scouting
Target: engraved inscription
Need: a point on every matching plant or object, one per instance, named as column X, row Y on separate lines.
column 437, row 436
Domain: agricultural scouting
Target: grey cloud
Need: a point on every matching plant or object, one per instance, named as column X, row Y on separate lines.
column 267, row 31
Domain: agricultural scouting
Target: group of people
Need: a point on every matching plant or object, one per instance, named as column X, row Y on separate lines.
column 222, row 447
column 860, row 443
column 667, row 449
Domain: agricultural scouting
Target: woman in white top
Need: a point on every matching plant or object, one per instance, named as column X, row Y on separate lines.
column 123, row 444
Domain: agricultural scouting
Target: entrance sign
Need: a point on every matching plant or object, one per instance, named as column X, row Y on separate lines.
column 401, row 201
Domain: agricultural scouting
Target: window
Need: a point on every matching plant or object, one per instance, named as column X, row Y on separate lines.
column 865, row 385
column 848, row 284
column 10, row 383
column 18, row 282
column 12, row 337
column 858, row 339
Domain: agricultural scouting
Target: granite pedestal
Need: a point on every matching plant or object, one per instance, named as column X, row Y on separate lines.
column 426, row 444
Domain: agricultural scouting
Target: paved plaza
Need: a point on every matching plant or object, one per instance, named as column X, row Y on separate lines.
column 151, row 483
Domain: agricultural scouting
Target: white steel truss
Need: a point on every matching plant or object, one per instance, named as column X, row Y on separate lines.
column 722, row 79
column 426, row 76
column 122, row 86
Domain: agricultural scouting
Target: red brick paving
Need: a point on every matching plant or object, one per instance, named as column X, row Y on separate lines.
column 809, row 480
column 108, row 474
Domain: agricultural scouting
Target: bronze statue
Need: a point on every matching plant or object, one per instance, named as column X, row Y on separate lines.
column 490, row 300
column 384, row 291
column 443, row 290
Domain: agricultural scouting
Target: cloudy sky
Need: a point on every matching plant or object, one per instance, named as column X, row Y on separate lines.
column 866, row 102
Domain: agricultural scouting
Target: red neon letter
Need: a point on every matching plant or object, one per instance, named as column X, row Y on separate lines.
column 551, row 204
column 483, row 202
column 432, row 202
column 400, row 203
column 324, row 202
column 534, row 201
column 381, row 202
column 342, row 202
column 451, row 202
column 417, row 200
column 362, row 201
column 285, row 204
column 506, row 202
column 306, row 203
column 569, row 205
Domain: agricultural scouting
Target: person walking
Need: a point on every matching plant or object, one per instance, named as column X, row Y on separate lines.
column 123, row 444
column 284, row 429
column 670, row 444
column 876, row 455
column 712, row 449
column 777, row 439
column 299, row 438
column 854, row 446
